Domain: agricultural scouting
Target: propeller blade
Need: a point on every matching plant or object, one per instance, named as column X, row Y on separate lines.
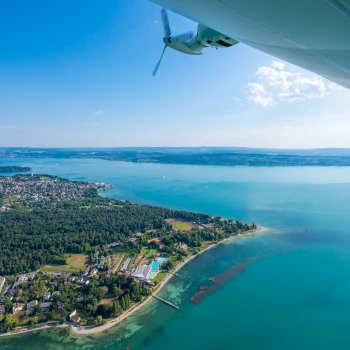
column 159, row 62
column 166, row 24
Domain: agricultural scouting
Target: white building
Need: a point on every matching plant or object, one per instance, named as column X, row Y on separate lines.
column 45, row 307
column 17, row 308
column 125, row 265
column 2, row 282
column 142, row 272
column 47, row 296
column 32, row 305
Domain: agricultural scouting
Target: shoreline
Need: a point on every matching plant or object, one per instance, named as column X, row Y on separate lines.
column 88, row 330
column 116, row 321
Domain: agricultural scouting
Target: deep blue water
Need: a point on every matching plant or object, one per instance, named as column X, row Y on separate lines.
column 290, row 286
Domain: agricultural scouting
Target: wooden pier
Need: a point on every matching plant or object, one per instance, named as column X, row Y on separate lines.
column 165, row 301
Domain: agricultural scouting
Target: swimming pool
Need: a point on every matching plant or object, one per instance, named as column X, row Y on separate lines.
column 161, row 260
column 152, row 274
column 155, row 265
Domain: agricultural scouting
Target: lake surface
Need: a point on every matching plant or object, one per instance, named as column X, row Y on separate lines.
column 286, row 288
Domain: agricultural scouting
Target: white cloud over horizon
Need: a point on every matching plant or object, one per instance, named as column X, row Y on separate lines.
column 278, row 83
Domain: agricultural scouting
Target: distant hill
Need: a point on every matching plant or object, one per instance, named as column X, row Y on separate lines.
column 14, row 169
column 198, row 155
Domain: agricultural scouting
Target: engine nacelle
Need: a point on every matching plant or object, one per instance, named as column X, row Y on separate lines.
column 192, row 44
column 211, row 37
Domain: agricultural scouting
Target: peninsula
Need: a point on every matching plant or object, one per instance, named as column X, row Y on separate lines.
column 14, row 169
column 69, row 256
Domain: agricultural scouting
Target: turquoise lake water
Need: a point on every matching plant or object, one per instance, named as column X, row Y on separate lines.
column 286, row 288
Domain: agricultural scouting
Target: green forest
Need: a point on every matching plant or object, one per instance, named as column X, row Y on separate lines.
column 32, row 238
column 14, row 169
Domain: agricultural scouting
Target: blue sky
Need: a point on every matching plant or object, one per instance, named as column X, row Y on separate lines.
column 79, row 73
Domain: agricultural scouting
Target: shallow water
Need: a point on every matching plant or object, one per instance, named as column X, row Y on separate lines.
column 286, row 288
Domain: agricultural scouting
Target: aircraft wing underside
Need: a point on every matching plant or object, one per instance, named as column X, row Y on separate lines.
column 312, row 34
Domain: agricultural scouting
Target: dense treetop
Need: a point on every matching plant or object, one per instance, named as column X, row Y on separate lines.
column 14, row 169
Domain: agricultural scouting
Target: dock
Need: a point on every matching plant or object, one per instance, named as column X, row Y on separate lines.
column 165, row 302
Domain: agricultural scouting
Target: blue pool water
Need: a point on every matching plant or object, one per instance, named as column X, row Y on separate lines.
column 161, row 260
column 155, row 265
column 152, row 274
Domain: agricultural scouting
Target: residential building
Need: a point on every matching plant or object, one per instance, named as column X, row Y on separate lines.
column 60, row 305
column 17, row 308
column 31, row 277
column 126, row 264
column 2, row 282
column 79, row 300
column 22, row 279
column 16, row 285
column 31, row 306
column 74, row 317
column 45, row 307
column 2, row 309
column 47, row 296
column 93, row 272
column 102, row 262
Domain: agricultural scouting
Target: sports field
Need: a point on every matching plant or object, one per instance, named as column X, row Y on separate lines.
column 75, row 262
column 181, row 226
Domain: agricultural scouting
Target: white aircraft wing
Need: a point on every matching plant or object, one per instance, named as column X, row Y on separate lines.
column 312, row 34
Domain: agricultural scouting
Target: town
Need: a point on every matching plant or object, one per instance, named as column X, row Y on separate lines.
column 33, row 189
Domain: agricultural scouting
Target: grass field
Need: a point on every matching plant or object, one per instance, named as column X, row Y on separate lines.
column 159, row 277
column 75, row 262
column 181, row 225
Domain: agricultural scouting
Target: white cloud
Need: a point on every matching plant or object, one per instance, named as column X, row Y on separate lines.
column 156, row 22
column 99, row 112
column 276, row 83
column 278, row 65
column 258, row 95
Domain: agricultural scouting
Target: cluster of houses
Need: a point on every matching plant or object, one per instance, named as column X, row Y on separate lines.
column 42, row 190
column 44, row 305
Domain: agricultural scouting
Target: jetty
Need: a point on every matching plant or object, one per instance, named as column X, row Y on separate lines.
column 165, row 301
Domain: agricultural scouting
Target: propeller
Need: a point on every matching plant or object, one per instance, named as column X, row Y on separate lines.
column 167, row 33
column 159, row 62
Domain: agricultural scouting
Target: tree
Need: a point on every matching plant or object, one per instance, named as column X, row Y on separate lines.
column 8, row 305
column 115, row 308
column 167, row 265
column 34, row 320
column 123, row 303
column 99, row 321
column 115, row 290
column 10, row 322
